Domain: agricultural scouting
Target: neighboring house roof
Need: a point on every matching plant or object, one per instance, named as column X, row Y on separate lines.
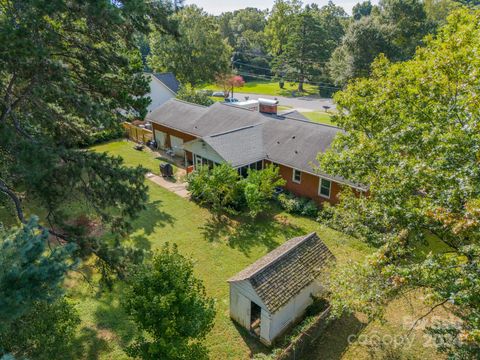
column 284, row 272
column 169, row 80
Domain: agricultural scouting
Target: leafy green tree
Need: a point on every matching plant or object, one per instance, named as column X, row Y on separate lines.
column 191, row 95
column 46, row 332
column 68, row 69
column 260, row 187
column 28, row 272
column 302, row 49
column 412, row 135
column 33, row 316
column 362, row 9
column 395, row 29
column 218, row 187
column 197, row 54
column 170, row 305
column 279, row 25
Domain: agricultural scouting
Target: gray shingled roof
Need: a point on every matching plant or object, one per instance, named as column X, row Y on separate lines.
column 247, row 145
column 287, row 139
column 177, row 114
column 222, row 118
column 169, row 80
column 284, row 272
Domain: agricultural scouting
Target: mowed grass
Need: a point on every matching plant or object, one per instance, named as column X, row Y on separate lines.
column 124, row 148
column 319, row 117
column 219, row 249
column 270, row 88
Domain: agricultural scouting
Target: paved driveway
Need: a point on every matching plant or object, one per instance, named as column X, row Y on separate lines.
column 302, row 103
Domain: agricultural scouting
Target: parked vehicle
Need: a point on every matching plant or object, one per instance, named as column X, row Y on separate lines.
column 230, row 100
column 218, row 94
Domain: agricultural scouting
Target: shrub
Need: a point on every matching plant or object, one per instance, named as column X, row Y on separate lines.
column 219, row 187
column 192, row 96
column 298, row 205
column 260, row 187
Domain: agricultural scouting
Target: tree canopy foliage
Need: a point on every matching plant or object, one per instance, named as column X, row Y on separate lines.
column 197, row 54
column 33, row 315
column 412, row 136
column 68, row 70
column 394, row 29
column 167, row 302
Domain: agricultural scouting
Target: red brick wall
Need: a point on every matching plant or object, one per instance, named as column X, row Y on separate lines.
column 308, row 186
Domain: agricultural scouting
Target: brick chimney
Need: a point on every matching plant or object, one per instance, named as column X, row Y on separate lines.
column 267, row 106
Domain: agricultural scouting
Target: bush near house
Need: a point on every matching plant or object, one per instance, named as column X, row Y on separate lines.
column 298, row 205
column 224, row 190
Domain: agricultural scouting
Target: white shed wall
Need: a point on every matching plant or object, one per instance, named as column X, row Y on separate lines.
column 159, row 93
column 292, row 310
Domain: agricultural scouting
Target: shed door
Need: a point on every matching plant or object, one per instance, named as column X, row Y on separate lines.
column 177, row 145
column 244, row 310
column 160, row 137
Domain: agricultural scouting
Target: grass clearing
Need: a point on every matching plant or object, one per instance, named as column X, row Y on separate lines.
column 124, row 148
column 219, row 250
column 271, row 88
column 319, row 117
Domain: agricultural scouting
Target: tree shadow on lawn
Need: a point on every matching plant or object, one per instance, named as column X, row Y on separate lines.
column 244, row 233
column 111, row 319
column 89, row 344
column 255, row 346
column 336, row 338
column 147, row 220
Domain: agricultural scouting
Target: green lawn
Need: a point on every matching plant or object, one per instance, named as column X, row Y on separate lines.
column 219, row 250
column 131, row 157
column 270, row 88
column 319, row 116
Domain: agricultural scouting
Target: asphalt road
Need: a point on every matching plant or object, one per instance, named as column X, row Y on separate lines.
column 302, row 104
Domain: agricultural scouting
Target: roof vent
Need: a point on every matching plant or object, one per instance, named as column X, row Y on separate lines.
column 293, row 137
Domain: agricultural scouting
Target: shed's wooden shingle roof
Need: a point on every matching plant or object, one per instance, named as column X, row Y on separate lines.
column 284, row 272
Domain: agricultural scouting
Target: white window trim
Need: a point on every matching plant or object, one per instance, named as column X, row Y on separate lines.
column 293, row 176
column 320, row 188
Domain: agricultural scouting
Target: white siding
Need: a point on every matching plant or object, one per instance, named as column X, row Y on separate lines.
column 292, row 311
column 159, row 93
column 204, row 150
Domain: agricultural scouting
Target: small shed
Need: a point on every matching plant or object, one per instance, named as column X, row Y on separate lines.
column 273, row 293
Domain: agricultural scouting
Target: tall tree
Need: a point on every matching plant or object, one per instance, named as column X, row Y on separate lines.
column 67, row 69
column 395, row 29
column 33, row 315
column 197, row 55
column 412, row 136
column 362, row 9
column 282, row 16
column 167, row 302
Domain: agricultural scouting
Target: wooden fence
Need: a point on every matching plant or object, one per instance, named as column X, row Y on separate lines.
column 138, row 134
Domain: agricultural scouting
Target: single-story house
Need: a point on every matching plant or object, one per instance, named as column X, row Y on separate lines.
column 163, row 87
column 244, row 138
column 273, row 293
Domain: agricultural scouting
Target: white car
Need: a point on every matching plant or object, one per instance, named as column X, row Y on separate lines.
column 218, row 94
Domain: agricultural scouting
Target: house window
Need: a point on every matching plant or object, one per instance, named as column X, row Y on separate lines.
column 325, row 188
column 297, row 176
